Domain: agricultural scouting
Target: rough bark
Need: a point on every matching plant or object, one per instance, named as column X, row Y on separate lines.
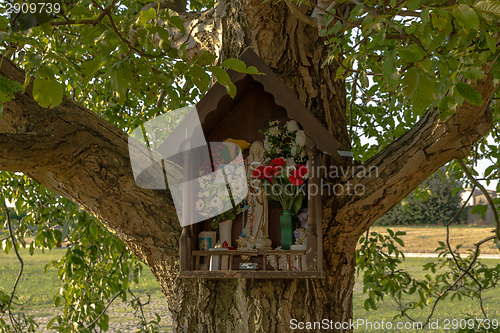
column 78, row 155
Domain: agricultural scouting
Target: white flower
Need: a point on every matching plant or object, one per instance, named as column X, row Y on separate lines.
column 300, row 138
column 290, row 162
column 294, row 150
column 274, row 131
column 292, row 126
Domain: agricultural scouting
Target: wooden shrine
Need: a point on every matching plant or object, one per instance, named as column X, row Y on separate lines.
column 259, row 99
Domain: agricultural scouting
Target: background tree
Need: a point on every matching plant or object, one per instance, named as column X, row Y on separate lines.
column 419, row 75
column 435, row 201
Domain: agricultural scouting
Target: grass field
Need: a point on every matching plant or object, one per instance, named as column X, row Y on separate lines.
column 36, row 289
column 424, row 239
column 445, row 310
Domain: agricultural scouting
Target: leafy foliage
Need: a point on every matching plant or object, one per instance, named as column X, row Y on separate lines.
column 97, row 265
column 435, row 201
column 400, row 58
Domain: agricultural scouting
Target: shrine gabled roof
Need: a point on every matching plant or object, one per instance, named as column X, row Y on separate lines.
column 217, row 103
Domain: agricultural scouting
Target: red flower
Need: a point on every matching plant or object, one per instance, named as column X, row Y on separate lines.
column 268, row 171
column 276, row 170
column 301, row 170
column 278, row 161
column 259, row 172
column 295, row 180
column 296, row 175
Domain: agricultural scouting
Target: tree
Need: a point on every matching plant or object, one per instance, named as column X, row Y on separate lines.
column 420, row 72
column 435, row 201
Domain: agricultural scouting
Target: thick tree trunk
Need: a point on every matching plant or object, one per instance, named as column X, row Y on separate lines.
column 75, row 153
column 295, row 52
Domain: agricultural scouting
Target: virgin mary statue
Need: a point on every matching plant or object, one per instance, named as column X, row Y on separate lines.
column 255, row 233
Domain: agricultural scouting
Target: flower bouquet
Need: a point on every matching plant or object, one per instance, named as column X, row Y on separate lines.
column 284, row 172
column 283, row 183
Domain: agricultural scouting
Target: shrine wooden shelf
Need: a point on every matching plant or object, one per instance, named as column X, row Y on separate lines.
column 252, row 275
column 291, row 257
column 259, row 99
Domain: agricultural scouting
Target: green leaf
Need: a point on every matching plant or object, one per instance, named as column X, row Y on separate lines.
column 146, row 15
column 469, row 18
column 411, row 53
column 163, row 33
column 492, row 7
column 425, row 94
column 47, row 92
column 224, row 80
column 8, row 88
column 389, row 70
column 297, row 204
column 496, row 70
column 400, row 241
column 366, row 304
column 410, row 82
column 239, row 66
column 473, row 73
column 469, row 93
column 199, row 77
column 489, row 170
column 77, row 260
column 439, row 22
column 88, row 68
column 126, row 284
column 51, row 323
column 177, row 22
column 57, row 300
column 206, row 58
column 476, row 209
column 104, row 322
column 491, row 41
column 119, row 85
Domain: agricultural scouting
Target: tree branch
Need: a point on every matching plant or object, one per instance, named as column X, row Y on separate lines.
column 405, row 163
column 25, row 152
column 458, row 279
column 104, row 310
column 128, row 43
column 486, row 194
column 81, row 156
column 300, row 15
column 454, row 256
column 97, row 21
